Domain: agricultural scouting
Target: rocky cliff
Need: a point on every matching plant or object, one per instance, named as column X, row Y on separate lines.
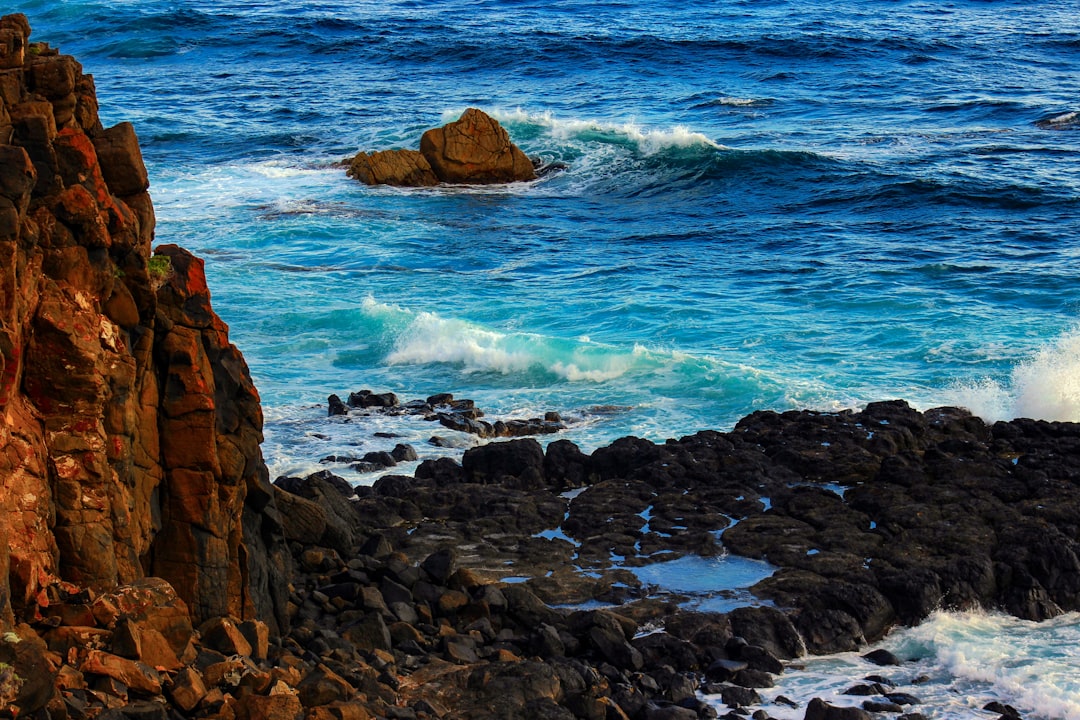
column 129, row 425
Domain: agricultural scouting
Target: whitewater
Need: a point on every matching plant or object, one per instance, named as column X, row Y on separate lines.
column 766, row 205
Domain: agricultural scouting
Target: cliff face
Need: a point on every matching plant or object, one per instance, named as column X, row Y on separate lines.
column 129, row 426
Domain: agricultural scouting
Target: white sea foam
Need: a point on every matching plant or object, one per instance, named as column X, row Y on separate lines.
column 1062, row 121
column 968, row 660
column 1044, row 387
column 430, row 338
column 647, row 140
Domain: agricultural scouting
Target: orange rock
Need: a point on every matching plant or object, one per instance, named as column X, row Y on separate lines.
column 136, row 675
column 223, row 635
column 270, row 707
column 402, row 168
column 187, row 689
column 475, row 149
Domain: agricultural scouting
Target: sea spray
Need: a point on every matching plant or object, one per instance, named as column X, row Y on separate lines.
column 1045, row 386
column 963, row 660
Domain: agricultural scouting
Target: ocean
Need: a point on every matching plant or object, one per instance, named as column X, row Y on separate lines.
column 768, row 204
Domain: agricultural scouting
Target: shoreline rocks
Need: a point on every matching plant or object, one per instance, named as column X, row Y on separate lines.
column 474, row 149
column 460, row 415
column 152, row 571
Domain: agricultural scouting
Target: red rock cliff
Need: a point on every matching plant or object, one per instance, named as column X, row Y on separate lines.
column 129, row 425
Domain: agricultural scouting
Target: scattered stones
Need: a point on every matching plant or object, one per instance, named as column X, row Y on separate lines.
column 460, row 415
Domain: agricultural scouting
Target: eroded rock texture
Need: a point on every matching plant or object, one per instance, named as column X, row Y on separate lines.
column 129, row 426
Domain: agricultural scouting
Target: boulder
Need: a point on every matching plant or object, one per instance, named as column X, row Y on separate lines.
column 818, row 709
column 402, row 168
column 475, row 149
column 121, row 160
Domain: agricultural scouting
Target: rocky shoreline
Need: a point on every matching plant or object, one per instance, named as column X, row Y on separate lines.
column 153, row 571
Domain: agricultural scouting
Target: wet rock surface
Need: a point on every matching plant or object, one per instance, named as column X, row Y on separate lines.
column 461, row 415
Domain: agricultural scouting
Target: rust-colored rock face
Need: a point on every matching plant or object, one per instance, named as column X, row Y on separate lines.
column 475, row 149
column 129, row 426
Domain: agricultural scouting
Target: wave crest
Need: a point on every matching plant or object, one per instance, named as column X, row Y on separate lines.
column 428, row 338
column 647, row 141
column 1045, row 387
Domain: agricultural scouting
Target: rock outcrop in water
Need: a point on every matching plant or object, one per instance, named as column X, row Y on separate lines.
column 129, row 426
column 474, row 149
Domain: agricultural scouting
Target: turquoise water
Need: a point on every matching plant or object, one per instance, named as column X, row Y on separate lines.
column 768, row 203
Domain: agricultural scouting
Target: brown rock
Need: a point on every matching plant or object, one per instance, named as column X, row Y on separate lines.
column 127, row 640
column 452, row 601
column 68, row 678
column 136, row 675
column 27, row 674
column 121, row 307
column 270, row 707
column 322, row 686
column 121, row 160
column 84, row 470
column 156, row 651
column 17, row 176
column 369, row 634
column 475, row 149
column 291, row 676
column 257, row 634
column 219, row 705
column 53, row 75
column 223, row 635
column 339, row 711
column 151, row 603
column 12, row 48
column 402, row 168
column 225, row 674
column 62, row 639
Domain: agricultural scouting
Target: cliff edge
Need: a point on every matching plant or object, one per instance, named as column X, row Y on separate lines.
column 129, row 425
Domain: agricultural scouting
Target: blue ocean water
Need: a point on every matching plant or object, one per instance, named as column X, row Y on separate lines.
column 768, row 203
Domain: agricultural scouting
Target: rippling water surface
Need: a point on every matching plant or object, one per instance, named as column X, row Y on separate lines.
column 768, row 203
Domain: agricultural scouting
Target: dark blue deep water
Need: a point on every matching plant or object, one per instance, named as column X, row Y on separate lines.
column 768, row 203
